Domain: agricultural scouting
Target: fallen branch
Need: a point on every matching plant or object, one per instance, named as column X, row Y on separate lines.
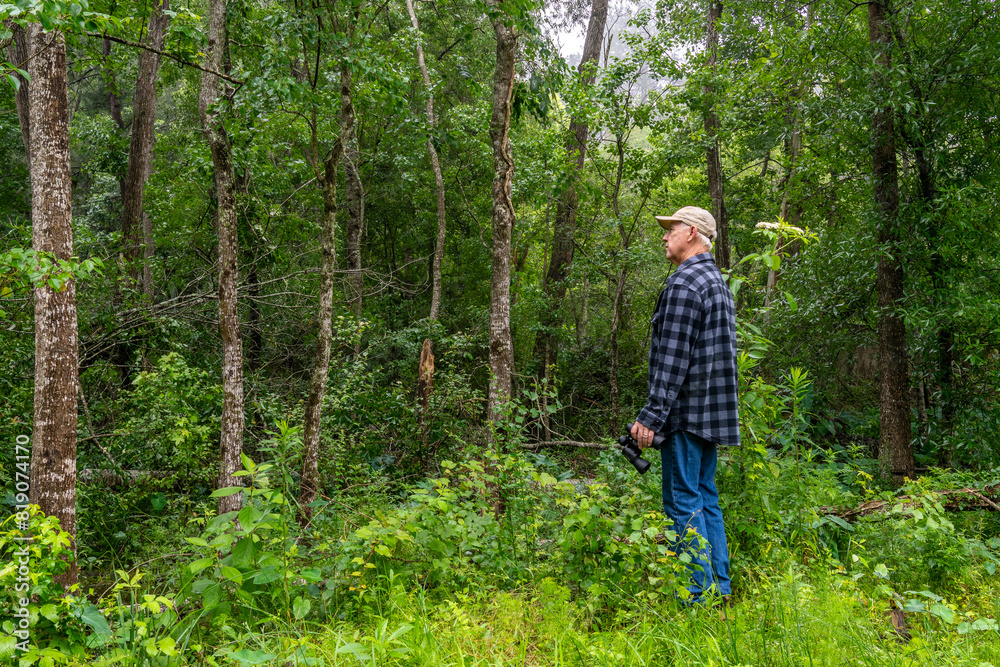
column 533, row 446
column 113, row 478
column 955, row 500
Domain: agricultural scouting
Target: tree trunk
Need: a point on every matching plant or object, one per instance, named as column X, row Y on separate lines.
column 354, row 196
column 140, row 153
column 231, row 436
column 114, row 104
column 255, row 346
column 438, row 177
column 501, row 343
column 53, row 454
column 17, row 53
column 425, row 378
column 791, row 208
column 309, row 484
column 326, row 174
column 617, row 324
column 564, row 227
column 895, row 453
column 715, row 181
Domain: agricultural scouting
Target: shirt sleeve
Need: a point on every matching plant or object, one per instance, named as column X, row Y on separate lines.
column 680, row 320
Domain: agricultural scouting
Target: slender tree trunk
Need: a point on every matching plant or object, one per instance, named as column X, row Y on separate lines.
column 564, row 226
column 618, row 307
column 53, row 454
column 501, row 343
column 895, row 452
column 17, row 54
column 140, row 154
column 715, row 180
column 309, row 484
column 231, row 436
column 617, row 325
column 791, row 208
column 114, row 104
column 354, row 196
column 255, row 345
column 425, row 383
column 438, row 177
column 327, row 177
column 946, row 333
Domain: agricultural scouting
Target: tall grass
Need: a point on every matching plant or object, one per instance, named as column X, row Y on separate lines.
column 791, row 618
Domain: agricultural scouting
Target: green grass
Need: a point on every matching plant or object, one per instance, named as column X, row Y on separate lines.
column 792, row 618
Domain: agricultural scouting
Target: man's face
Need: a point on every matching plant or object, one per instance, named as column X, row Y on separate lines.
column 677, row 243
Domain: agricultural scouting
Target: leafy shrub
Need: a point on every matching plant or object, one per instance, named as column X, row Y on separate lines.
column 173, row 420
column 246, row 562
column 502, row 519
column 614, row 545
column 58, row 625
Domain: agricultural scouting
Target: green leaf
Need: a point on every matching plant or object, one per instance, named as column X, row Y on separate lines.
column 356, row 649
column 211, row 595
column 7, row 644
column 232, row 574
column 200, row 564
column 221, row 520
column 228, row 491
column 944, row 613
column 311, row 574
column 985, row 624
column 243, row 552
column 92, row 616
column 792, row 304
column 247, row 657
column 266, row 575
column 50, row 611
column 301, row 607
column 158, row 501
column 840, row 522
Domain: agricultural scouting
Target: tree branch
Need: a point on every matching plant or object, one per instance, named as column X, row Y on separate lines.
column 178, row 59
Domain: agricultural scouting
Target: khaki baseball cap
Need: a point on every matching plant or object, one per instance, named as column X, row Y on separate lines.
column 696, row 217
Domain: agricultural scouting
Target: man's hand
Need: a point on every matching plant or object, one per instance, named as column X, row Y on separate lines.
column 642, row 435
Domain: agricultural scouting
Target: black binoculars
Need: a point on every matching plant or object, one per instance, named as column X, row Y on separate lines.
column 632, row 453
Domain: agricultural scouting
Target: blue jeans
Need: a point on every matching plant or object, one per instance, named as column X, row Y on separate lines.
column 690, row 499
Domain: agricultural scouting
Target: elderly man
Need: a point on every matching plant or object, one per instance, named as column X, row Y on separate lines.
column 692, row 393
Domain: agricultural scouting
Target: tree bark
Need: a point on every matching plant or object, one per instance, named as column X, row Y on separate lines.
column 501, row 343
column 715, row 181
column 231, row 436
column 564, row 226
column 140, row 153
column 326, row 174
column 354, row 196
column 895, row 452
column 53, row 454
column 309, row 482
column 438, row 177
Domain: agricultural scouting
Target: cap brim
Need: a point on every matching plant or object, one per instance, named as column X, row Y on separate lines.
column 666, row 220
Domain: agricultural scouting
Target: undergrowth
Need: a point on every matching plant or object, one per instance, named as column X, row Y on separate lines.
column 510, row 559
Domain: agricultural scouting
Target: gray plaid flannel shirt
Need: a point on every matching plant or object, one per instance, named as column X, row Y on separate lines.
column 692, row 356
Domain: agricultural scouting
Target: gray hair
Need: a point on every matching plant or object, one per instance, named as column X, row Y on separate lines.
column 707, row 242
